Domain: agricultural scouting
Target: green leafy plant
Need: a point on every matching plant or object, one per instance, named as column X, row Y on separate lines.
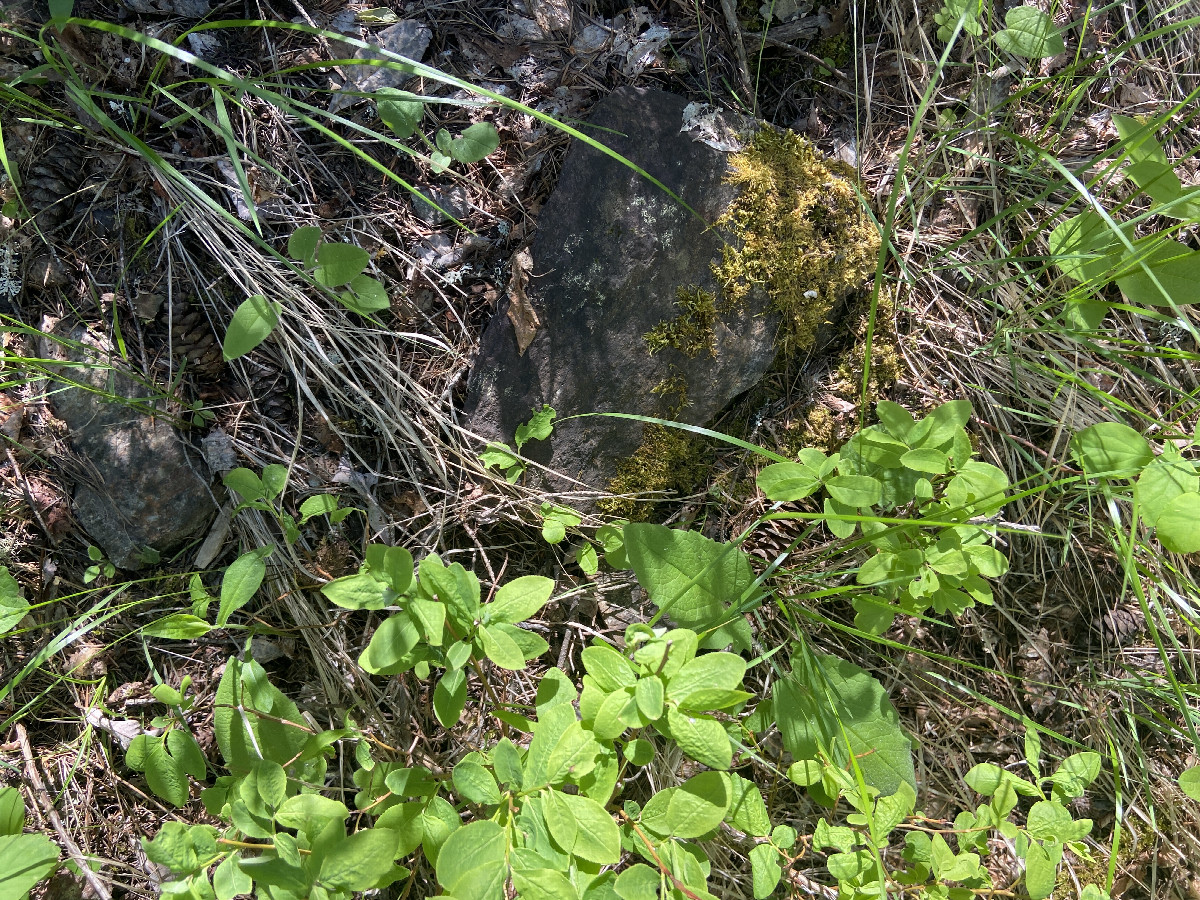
column 931, row 867
column 263, row 492
column 1152, row 270
column 402, row 112
column 935, row 549
column 499, row 455
column 537, row 809
column 99, row 567
column 170, row 756
column 1166, row 485
column 13, row 605
column 1028, row 31
column 25, row 859
column 954, row 11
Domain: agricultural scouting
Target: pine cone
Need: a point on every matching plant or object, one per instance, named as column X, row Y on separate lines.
column 270, row 388
column 53, row 176
column 192, row 338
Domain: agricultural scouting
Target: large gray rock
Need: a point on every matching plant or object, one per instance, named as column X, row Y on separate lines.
column 143, row 485
column 611, row 252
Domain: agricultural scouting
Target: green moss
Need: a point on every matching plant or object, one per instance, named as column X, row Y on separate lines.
column 837, row 49
column 692, row 331
column 668, row 460
column 801, row 233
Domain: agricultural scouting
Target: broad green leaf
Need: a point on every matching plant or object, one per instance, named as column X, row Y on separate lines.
column 557, row 520
column 402, row 116
column 165, row 774
column 389, row 651
column 1111, row 450
column 309, row 813
column 274, row 480
column 405, row 821
column 1082, row 246
column 1157, row 179
column 245, row 483
column 560, row 820
column 764, row 870
column 501, row 649
column 702, row 738
column 393, row 565
column 506, row 761
column 359, row 862
column 1178, row 525
column 638, row 882
column 1175, row 269
column 317, row 505
column 855, row 490
column 365, row 295
column 178, row 627
column 1029, row 33
column 598, row 839
column 12, row 811
column 747, row 809
column 302, row 245
column 241, row 581
column 476, row 142
column 587, row 559
column 181, row 848
column 788, row 481
column 337, row 264
column 519, row 599
column 573, row 755
column 649, row 694
column 475, row 784
column 229, row 880
column 252, row 322
column 531, row 645
column 183, row 747
column 709, row 671
column 1138, row 140
column 895, row 418
column 1189, row 782
column 543, row 884
column 827, row 702
column 25, row 859
column 608, row 667
column 691, row 578
column 1041, row 869
column 13, row 605
column 359, row 591
column 693, row 809
column 639, row 751
column 1164, row 479
column 612, row 539
column 476, row 844
column 449, row 697
column 614, row 715
column 538, row 428
column 431, row 616
column 928, row 460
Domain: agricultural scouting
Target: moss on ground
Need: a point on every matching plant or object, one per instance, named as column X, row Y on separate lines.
column 668, row 460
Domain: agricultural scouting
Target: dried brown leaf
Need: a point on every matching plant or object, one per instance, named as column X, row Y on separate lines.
column 521, row 313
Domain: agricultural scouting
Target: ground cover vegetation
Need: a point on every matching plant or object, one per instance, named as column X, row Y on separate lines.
column 947, row 653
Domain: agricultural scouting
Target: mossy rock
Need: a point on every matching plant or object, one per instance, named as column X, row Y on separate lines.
column 650, row 307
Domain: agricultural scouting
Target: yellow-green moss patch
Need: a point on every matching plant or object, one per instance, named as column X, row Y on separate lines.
column 669, row 459
column 692, row 331
column 801, row 233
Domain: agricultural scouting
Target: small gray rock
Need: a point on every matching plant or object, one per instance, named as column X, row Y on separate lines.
column 611, row 253
column 409, row 39
column 145, row 487
column 453, row 200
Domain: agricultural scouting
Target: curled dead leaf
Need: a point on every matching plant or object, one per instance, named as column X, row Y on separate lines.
column 521, row 313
